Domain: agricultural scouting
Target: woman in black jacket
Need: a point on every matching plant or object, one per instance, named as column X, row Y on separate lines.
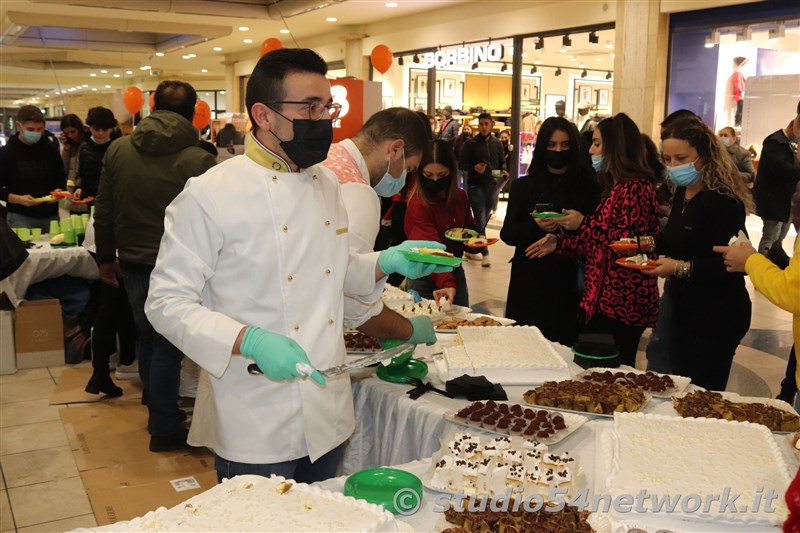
column 544, row 292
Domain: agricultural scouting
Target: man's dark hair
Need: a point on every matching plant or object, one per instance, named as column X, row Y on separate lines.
column 396, row 123
column 30, row 113
column 101, row 118
column 265, row 85
column 485, row 115
column 177, row 96
column 675, row 115
column 425, row 122
column 208, row 147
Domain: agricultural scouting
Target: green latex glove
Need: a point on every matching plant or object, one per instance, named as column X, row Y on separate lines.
column 423, row 332
column 277, row 356
column 392, row 261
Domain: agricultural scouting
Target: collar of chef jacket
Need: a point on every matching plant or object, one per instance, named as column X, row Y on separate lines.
column 265, row 157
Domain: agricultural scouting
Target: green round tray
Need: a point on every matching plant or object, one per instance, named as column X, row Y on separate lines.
column 450, row 234
column 432, row 259
column 394, row 489
column 397, row 373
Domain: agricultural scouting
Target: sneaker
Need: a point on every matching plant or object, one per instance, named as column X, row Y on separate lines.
column 168, row 443
column 130, row 371
column 486, row 262
column 474, row 257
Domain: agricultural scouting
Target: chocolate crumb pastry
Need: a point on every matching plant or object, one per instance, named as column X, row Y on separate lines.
column 454, row 323
column 567, row 520
column 649, row 381
column 587, row 396
column 355, row 341
column 705, row 404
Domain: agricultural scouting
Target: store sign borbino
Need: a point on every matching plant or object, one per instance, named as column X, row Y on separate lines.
column 463, row 56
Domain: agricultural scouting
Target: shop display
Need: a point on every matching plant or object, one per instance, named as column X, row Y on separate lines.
column 493, row 465
column 518, row 354
column 256, row 503
column 660, row 385
column 774, row 414
column 679, row 456
column 569, row 519
column 588, row 397
column 547, row 427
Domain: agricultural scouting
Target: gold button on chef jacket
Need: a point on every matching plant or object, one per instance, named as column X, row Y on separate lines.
column 226, row 262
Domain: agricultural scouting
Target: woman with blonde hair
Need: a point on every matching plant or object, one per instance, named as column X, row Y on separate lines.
column 710, row 306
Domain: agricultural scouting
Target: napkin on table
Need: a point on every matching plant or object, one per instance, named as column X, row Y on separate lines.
column 475, row 388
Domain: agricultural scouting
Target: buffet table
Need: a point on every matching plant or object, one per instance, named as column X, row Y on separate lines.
column 45, row 262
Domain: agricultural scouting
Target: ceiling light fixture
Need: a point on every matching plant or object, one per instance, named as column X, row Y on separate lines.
column 608, row 76
column 217, row 49
column 107, row 86
column 593, row 38
column 537, row 62
column 400, row 61
column 331, row 19
column 284, row 30
column 504, row 68
column 416, row 59
column 146, row 67
column 247, row 41
column 566, row 41
column 563, row 50
column 474, row 66
column 103, row 71
column 84, row 85
column 778, row 32
column 390, row 4
column 116, row 75
column 584, row 73
column 244, row 28
column 94, row 88
column 93, row 75
column 558, row 71
column 609, row 45
column 539, row 45
column 533, row 69
column 159, row 54
column 745, row 35
column 128, row 72
column 203, row 70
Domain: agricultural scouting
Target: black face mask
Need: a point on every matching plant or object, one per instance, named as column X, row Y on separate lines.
column 311, row 142
column 434, row 187
column 505, row 143
column 558, row 160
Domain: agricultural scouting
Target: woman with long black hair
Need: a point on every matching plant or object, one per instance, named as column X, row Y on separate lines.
column 544, row 292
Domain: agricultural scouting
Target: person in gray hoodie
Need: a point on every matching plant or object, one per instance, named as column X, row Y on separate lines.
column 142, row 174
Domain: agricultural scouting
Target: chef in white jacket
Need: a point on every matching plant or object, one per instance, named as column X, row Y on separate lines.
column 252, row 267
column 371, row 165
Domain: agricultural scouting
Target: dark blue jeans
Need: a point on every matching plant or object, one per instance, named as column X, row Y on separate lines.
column 159, row 362
column 481, row 199
column 301, row 470
column 425, row 287
column 657, row 350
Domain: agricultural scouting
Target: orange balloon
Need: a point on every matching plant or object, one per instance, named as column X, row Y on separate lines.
column 270, row 44
column 202, row 115
column 152, row 101
column 133, row 98
column 381, row 58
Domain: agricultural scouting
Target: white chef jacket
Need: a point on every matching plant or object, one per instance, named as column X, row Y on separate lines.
column 247, row 245
column 363, row 207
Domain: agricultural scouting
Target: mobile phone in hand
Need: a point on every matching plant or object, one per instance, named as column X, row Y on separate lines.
column 544, row 208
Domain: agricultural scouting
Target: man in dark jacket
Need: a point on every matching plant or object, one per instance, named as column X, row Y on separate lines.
column 141, row 175
column 778, row 173
column 30, row 168
column 482, row 157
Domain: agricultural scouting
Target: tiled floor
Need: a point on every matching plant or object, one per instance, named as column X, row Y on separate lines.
column 40, row 489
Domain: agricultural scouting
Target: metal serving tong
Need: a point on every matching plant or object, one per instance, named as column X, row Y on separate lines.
column 358, row 363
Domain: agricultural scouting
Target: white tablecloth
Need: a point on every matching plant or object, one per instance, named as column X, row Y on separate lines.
column 45, row 262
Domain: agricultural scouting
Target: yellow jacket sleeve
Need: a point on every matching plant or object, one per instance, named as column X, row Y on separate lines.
column 781, row 287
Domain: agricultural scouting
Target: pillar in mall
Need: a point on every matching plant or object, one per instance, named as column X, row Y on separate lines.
column 640, row 65
column 356, row 62
column 234, row 100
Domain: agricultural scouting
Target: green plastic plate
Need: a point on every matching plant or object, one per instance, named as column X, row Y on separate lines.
column 456, row 234
column 403, row 357
column 432, row 259
column 394, row 489
column 547, row 214
column 398, row 372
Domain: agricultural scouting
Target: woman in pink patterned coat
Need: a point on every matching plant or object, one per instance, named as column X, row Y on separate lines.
column 616, row 299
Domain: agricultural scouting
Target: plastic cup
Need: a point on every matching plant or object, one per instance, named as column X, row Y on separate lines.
column 85, row 219
column 54, row 228
column 36, row 234
column 24, row 234
column 69, row 236
column 91, row 211
column 77, row 223
column 15, row 230
column 65, row 224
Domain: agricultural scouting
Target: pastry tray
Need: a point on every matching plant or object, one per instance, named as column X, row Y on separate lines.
column 681, row 382
column 573, row 422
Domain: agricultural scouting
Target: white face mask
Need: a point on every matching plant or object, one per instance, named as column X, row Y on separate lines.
column 725, row 141
column 389, row 185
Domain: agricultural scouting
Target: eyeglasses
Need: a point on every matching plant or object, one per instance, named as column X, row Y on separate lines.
column 316, row 109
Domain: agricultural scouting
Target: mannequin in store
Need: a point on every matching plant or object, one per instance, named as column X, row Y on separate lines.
column 583, row 118
column 448, row 129
column 561, row 110
column 734, row 92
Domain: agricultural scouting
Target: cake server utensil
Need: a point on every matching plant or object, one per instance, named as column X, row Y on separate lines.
column 347, row 367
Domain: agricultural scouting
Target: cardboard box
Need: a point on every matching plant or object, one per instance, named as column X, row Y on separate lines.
column 125, row 491
column 39, row 334
column 8, row 361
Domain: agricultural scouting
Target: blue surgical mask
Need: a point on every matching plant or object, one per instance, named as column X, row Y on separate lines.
column 597, row 162
column 684, row 175
column 389, row 185
column 726, row 141
column 31, row 137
